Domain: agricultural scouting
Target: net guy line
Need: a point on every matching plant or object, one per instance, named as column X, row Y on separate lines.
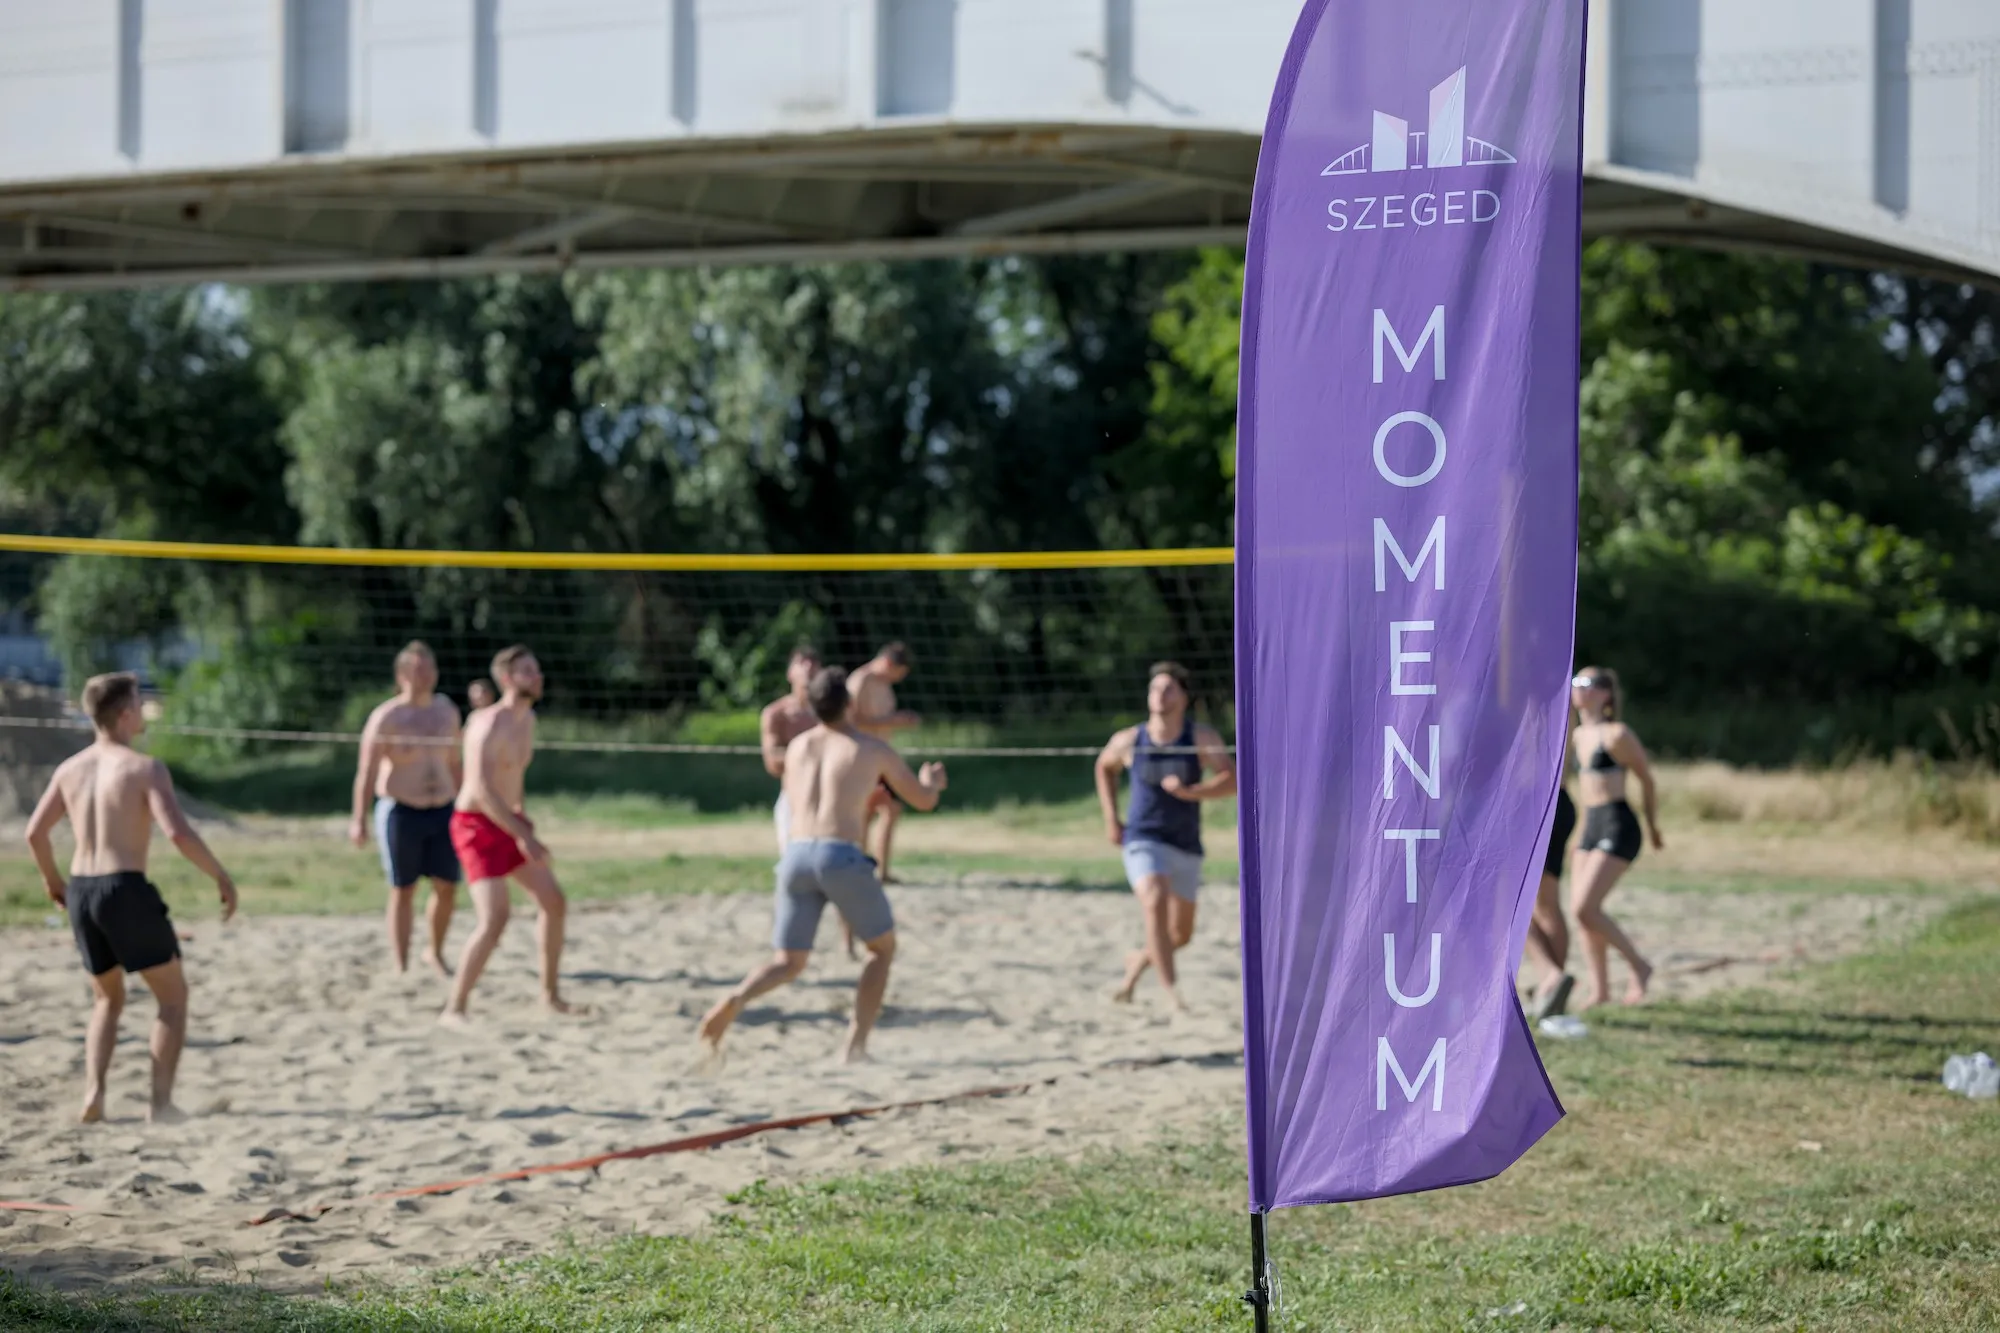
column 593, row 747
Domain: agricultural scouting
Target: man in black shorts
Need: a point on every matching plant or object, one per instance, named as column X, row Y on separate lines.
column 112, row 796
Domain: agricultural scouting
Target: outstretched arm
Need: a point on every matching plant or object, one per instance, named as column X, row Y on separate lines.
column 920, row 790
column 365, row 770
column 173, row 822
column 1111, row 761
column 1628, row 751
column 1221, row 766
column 49, row 812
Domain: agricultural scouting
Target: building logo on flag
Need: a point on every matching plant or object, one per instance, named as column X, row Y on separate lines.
column 1443, row 143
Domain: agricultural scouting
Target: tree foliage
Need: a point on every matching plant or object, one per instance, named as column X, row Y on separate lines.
column 1786, row 469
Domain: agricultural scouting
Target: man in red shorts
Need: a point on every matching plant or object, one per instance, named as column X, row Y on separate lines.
column 495, row 839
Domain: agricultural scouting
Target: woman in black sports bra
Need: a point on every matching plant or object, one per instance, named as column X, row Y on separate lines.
column 1606, row 751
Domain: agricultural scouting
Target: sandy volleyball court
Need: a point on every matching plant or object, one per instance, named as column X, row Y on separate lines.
column 319, row 1077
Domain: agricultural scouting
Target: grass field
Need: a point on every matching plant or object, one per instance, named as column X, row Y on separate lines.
column 1756, row 1160
column 1753, row 1160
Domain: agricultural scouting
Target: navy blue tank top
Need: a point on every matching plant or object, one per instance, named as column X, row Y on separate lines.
column 1158, row 816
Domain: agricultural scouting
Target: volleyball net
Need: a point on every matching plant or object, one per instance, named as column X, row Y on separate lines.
column 1011, row 654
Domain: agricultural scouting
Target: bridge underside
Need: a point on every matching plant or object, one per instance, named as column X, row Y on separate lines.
column 909, row 192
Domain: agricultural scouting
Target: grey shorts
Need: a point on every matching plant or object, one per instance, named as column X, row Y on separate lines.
column 1181, row 869
column 818, row 871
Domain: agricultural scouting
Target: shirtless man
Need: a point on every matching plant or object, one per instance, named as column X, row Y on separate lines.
column 1162, row 838
column 873, row 688
column 830, row 772
column 113, row 795
column 783, row 720
column 494, row 837
column 409, row 763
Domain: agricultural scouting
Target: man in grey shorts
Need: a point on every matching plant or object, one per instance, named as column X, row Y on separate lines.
column 830, row 774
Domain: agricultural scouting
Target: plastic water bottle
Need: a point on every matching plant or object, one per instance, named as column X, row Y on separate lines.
column 1974, row 1075
column 1563, row 1027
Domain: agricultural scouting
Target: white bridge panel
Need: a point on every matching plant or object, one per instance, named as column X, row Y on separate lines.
column 208, row 81
column 362, row 138
column 582, row 72
column 413, row 74
column 59, row 83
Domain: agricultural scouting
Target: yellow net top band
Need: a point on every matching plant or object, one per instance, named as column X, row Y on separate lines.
column 336, row 555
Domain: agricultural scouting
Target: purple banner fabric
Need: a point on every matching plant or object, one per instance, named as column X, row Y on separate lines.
column 1406, row 578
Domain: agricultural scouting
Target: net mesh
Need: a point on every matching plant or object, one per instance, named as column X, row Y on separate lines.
column 1004, row 659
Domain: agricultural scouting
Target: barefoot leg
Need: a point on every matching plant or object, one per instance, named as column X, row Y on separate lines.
column 437, row 919
column 1157, row 911
column 401, row 917
column 869, row 993
column 108, row 1003
column 1136, row 963
column 1597, row 875
column 1548, row 935
column 170, row 993
column 784, row 966
column 550, row 922
column 489, row 900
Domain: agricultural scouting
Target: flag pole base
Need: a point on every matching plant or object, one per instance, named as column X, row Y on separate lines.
column 1258, row 1298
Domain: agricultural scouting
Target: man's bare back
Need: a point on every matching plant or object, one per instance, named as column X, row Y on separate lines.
column 110, row 791
column 418, row 751
column 830, row 774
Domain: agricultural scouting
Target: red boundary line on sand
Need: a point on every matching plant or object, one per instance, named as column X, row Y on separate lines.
column 692, row 1143
column 13, row 1207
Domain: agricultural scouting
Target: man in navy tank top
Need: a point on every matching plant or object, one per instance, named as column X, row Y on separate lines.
column 1161, row 833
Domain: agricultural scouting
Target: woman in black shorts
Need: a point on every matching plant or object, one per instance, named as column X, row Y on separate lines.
column 1606, row 751
column 1548, row 933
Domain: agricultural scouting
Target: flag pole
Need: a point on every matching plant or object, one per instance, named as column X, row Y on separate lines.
column 1258, row 1298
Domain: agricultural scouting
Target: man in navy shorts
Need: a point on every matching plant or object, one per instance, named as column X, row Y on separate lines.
column 410, row 765
column 112, row 796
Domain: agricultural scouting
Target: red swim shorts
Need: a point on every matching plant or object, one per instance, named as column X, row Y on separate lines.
column 485, row 850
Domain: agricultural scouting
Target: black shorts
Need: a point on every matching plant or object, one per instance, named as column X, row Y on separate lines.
column 1612, row 828
column 415, row 842
column 1552, row 861
column 120, row 921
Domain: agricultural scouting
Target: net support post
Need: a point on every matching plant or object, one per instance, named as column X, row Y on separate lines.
column 1258, row 1298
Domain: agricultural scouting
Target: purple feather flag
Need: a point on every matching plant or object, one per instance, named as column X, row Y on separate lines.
column 1406, row 584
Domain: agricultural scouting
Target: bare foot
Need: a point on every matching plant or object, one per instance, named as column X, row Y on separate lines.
column 1122, row 995
column 454, row 1018
column 1174, row 999
column 855, row 1055
column 715, row 1023
column 168, row 1114
column 1591, row 1001
column 1635, row 990
column 93, row 1109
column 437, row 962
column 556, row 1004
